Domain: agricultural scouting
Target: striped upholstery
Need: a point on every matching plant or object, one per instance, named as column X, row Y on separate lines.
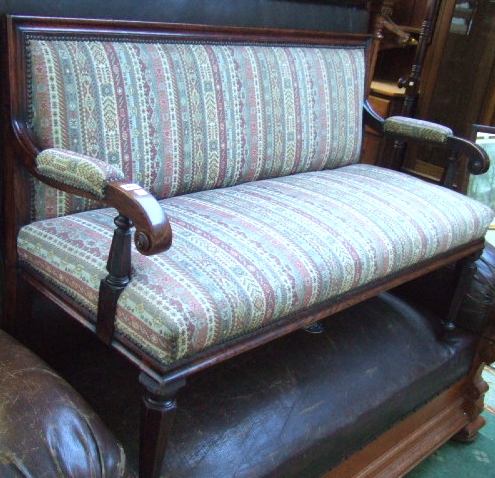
column 77, row 170
column 252, row 151
column 178, row 118
column 250, row 255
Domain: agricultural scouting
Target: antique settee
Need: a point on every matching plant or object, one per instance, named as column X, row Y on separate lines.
column 231, row 156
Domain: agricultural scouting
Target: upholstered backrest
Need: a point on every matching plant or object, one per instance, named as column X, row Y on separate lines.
column 180, row 117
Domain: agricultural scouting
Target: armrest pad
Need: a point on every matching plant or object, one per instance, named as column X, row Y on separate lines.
column 80, row 174
column 77, row 171
column 414, row 129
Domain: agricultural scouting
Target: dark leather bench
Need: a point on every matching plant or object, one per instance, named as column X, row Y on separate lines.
column 297, row 406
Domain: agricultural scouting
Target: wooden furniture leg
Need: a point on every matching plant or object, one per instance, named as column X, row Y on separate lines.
column 119, row 271
column 465, row 270
column 157, row 415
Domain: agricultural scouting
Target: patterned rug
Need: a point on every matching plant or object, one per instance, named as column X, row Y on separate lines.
column 472, row 460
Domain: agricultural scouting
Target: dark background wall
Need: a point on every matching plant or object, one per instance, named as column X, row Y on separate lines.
column 332, row 15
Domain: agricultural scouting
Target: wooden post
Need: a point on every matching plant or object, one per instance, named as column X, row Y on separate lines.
column 119, row 270
column 413, row 82
column 157, row 415
column 464, row 273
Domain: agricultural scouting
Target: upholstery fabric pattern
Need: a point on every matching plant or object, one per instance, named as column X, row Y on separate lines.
column 249, row 255
column 77, row 170
column 178, row 118
column 417, row 129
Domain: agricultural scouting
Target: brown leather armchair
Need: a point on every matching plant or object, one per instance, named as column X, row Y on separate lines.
column 46, row 428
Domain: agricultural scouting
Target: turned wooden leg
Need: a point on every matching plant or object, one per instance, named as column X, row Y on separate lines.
column 465, row 270
column 469, row 433
column 157, row 415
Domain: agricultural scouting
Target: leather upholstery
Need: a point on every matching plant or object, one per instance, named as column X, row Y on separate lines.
column 436, row 288
column 46, row 428
column 474, row 313
column 301, row 404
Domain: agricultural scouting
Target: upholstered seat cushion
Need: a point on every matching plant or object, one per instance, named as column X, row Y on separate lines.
column 250, row 255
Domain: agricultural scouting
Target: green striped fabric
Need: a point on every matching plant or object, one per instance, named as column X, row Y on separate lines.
column 250, row 255
column 178, row 118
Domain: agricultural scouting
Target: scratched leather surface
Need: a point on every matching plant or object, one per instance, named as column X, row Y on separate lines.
column 474, row 313
column 46, row 429
column 299, row 405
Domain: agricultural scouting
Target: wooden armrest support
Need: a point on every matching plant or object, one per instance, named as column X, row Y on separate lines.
column 153, row 232
column 372, row 118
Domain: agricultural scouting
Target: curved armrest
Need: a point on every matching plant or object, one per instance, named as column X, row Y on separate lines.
column 403, row 128
column 478, row 160
column 90, row 177
column 153, row 232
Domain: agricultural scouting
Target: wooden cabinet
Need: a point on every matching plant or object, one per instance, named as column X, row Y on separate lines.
column 452, row 70
column 458, row 85
column 461, row 92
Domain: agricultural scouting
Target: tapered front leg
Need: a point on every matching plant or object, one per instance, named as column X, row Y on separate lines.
column 464, row 273
column 157, row 415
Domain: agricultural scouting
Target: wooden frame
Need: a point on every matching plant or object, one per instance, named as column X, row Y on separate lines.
column 404, row 446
